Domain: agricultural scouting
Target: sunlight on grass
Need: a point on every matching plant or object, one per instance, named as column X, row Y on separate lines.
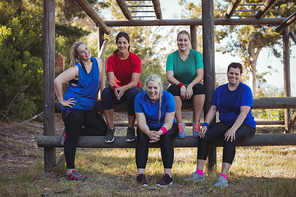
column 112, row 172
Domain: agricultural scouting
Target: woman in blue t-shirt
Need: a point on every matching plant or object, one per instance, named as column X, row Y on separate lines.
column 84, row 77
column 155, row 112
column 233, row 101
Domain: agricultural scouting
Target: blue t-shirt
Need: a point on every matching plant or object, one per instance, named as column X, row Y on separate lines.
column 85, row 93
column 144, row 105
column 228, row 103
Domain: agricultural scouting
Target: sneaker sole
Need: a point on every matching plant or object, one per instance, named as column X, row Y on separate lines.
column 164, row 185
column 130, row 140
column 109, row 141
column 182, row 137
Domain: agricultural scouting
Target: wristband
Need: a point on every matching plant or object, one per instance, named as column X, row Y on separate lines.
column 206, row 124
column 113, row 88
column 180, row 85
column 164, row 130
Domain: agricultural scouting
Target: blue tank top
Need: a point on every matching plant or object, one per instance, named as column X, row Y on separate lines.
column 85, row 93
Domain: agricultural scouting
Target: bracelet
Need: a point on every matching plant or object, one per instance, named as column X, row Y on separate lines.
column 164, row 130
column 206, row 124
column 180, row 85
column 113, row 88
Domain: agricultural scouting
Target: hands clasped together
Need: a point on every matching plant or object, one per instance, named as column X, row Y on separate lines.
column 119, row 92
column 154, row 136
column 186, row 93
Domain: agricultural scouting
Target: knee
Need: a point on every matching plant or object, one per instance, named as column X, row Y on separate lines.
column 132, row 93
column 198, row 89
column 174, row 90
column 107, row 93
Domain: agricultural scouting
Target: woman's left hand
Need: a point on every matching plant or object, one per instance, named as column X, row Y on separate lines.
column 189, row 92
column 230, row 134
column 119, row 92
column 155, row 137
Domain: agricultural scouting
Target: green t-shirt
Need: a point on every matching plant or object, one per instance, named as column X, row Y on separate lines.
column 184, row 71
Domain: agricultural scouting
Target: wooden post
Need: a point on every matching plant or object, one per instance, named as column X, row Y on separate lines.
column 287, row 82
column 209, row 65
column 193, row 37
column 48, row 77
column 101, row 40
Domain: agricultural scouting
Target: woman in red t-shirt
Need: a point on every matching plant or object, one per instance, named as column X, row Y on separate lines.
column 123, row 72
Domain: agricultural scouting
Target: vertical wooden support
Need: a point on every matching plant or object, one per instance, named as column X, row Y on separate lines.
column 101, row 40
column 209, row 65
column 287, row 82
column 48, row 77
column 193, row 37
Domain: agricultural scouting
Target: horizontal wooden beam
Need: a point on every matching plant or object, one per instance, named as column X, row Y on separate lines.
column 248, row 21
column 93, row 15
column 286, row 23
column 259, row 103
column 188, row 141
column 267, row 5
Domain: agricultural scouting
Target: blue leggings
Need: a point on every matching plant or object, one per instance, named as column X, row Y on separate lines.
column 166, row 146
column 216, row 133
column 108, row 98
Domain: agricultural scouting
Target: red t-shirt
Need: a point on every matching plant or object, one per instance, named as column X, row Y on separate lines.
column 123, row 69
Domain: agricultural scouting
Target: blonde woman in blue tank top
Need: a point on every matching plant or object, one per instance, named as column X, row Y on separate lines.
column 84, row 78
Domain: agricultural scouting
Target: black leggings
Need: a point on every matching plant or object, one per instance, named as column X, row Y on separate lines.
column 166, row 146
column 74, row 119
column 197, row 89
column 216, row 133
column 108, row 98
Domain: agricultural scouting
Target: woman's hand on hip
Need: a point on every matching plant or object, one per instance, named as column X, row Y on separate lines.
column 230, row 134
column 68, row 103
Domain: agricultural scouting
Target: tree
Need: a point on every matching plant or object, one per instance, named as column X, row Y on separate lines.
column 248, row 41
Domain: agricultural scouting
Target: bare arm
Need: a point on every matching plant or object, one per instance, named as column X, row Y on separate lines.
column 168, row 122
column 198, row 79
column 101, row 72
column 230, row 134
column 173, row 80
column 63, row 78
column 209, row 118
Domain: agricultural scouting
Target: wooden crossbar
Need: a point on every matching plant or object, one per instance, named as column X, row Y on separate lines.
column 188, row 141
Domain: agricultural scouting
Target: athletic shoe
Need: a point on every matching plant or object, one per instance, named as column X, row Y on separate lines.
column 195, row 177
column 196, row 127
column 181, row 133
column 165, row 181
column 222, row 182
column 109, row 138
column 130, row 135
column 63, row 139
column 141, row 180
column 75, row 176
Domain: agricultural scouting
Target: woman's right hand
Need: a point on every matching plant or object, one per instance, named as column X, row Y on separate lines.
column 202, row 132
column 68, row 103
column 183, row 92
column 154, row 136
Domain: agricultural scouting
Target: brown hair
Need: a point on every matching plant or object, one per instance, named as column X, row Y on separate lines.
column 183, row 32
column 126, row 36
column 235, row 65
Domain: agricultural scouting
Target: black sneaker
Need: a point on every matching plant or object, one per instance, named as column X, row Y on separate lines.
column 109, row 138
column 165, row 181
column 130, row 134
column 141, row 180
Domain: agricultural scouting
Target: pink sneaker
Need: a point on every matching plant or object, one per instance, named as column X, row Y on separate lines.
column 74, row 175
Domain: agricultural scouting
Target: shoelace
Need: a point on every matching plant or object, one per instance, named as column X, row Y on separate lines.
column 180, row 126
column 196, row 127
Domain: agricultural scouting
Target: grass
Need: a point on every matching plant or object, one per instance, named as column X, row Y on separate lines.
column 256, row 171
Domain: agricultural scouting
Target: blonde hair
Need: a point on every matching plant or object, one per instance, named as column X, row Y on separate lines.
column 74, row 54
column 156, row 78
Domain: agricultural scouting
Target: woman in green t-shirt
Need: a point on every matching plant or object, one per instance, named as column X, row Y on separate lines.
column 185, row 71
